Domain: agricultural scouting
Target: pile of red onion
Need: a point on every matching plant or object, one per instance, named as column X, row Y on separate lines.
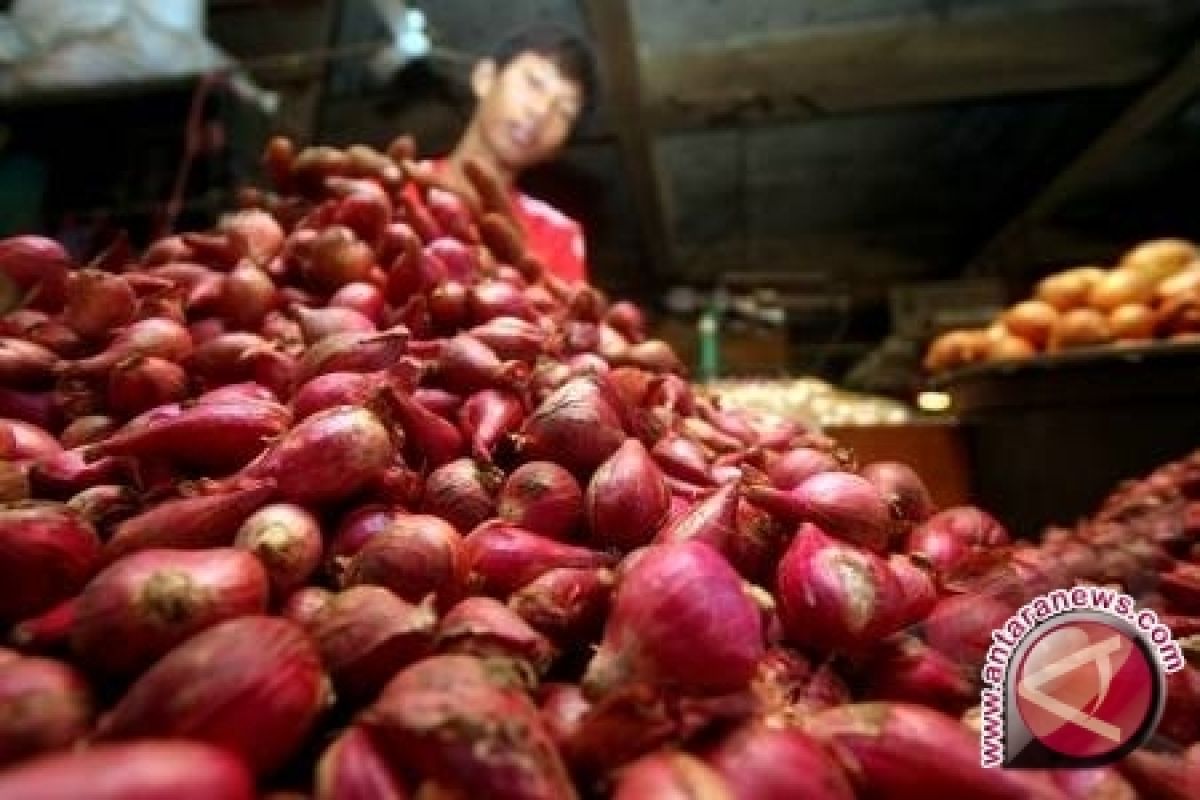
column 348, row 498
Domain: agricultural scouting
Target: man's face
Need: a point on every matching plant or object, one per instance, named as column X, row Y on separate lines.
column 526, row 110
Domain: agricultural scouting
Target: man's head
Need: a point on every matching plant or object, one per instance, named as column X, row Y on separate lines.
column 531, row 92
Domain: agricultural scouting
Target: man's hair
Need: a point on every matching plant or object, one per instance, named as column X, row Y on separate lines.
column 563, row 47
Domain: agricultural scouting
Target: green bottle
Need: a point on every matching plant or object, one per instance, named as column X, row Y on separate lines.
column 708, row 330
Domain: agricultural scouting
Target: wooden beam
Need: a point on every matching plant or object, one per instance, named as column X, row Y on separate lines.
column 612, row 25
column 907, row 61
column 1159, row 101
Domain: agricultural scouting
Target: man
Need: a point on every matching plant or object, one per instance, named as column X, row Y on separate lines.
column 530, row 94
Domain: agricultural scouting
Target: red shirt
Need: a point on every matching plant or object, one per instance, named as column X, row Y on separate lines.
column 553, row 237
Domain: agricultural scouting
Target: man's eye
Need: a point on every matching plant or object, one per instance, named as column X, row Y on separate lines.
column 534, row 81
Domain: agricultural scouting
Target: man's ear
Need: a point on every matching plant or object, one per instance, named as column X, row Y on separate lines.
column 483, row 78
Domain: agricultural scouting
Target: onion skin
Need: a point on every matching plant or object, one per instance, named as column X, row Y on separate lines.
column 833, row 595
column 189, row 523
column 575, row 427
column 366, row 635
column 47, row 553
column 467, row 365
column 568, row 605
column 353, row 532
column 917, row 586
column 543, row 498
column 303, row 606
column 44, row 705
column 254, row 687
column 353, row 352
column 153, row 600
column 98, row 302
column 682, row 458
column 511, row 338
column 146, row 770
column 766, row 763
column 430, row 441
column 287, row 541
column 446, row 719
column 501, row 558
column 414, row 555
column 318, row 323
column 335, row 389
column 49, row 633
column 671, row 776
column 627, row 499
column 960, row 626
column 141, row 383
column 947, row 538
column 792, row 468
column 326, row 457
column 678, row 600
column 26, row 365
column 902, row 488
column 66, row 473
column 352, row 769
column 365, row 298
column 154, row 336
column 902, row 750
column 27, row 441
column 486, row 628
column 37, row 261
column 563, row 708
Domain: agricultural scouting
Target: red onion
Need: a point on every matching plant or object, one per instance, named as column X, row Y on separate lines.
column 502, row 558
column 164, row 338
column 353, row 352
column 353, row 769
column 47, row 553
column 765, row 763
column 305, row 605
column 679, row 600
column 338, row 257
column 461, row 262
column 671, row 776
column 153, row 600
column 189, row 523
column 28, row 440
column 364, row 206
column 845, row 505
column 286, row 539
column 627, row 499
column 247, row 392
column 463, row 493
column 568, row 605
column 654, row 355
column 365, row 298
column 366, row 635
column 712, row 520
column 576, row 426
column 318, row 323
column 1163, row 776
column 430, row 440
column 486, row 628
column 491, row 299
column 1181, row 588
column 87, row 430
column 25, row 365
column 36, row 262
column 147, row 770
column 682, row 458
column 65, row 473
column 756, row 544
column 48, row 633
column 446, row 719
column 251, row 685
column 44, row 705
column 918, row 587
column 35, row 408
column 356, row 529
column 903, row 488
column 905, row 750
column 242, row 357
column 439, row 401
column 141, row 383
column 511, row 338
column 1093, row 783
column 247, row 295
column 947, row 538
column 486, row 417
column 335, row 389
column 790, row 688
column 543, row 498
column 467, row 365
column 280, row 330
column 627, row 319
column 960, row 626
column 905, row 669
column 792, row 468
column 447, row 305
column 833, row 595
column 1180, row 721
column 215, row 249
column 414, row 556
column 254, row 233
column 56, row 337
column 98, row 302
column 326, row 457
